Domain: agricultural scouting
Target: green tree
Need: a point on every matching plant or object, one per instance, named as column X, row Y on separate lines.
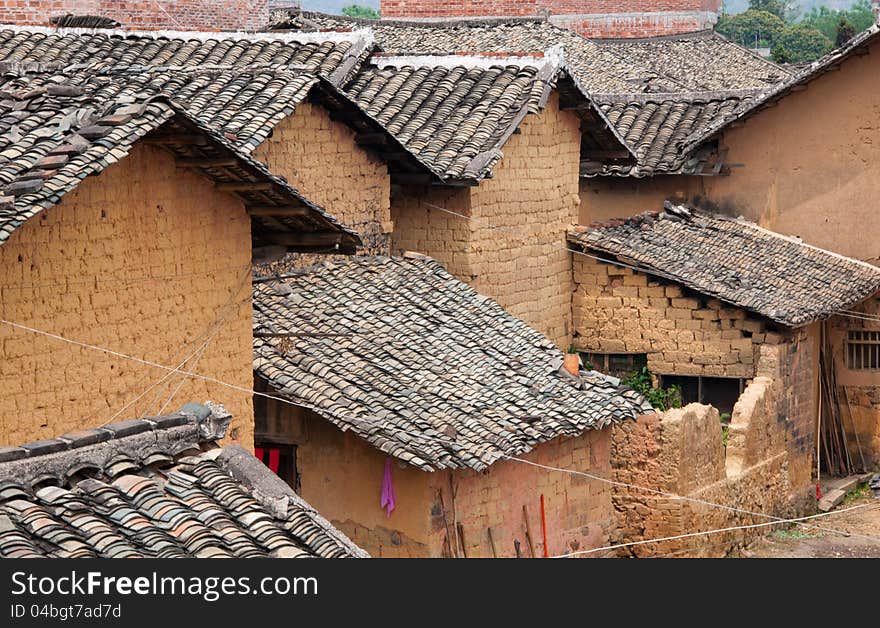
column 828, row 20
column 845, row 31
column 783, row 9
column 800, row 43
column 356, row 10
column 752, row 29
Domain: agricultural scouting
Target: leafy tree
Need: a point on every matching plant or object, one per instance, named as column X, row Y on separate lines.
column 845, row 31
column 356, row 10
column 783, row 9
column 752, row 29
column 828, row 20
column 800, row 43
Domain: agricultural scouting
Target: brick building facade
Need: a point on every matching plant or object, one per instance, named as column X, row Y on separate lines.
column 592, row 18
column 201, row 15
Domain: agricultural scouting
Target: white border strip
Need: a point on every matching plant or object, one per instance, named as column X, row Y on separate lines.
column 554, row 56
column 359, row 34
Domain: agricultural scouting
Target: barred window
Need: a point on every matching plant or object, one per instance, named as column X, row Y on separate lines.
column 616, row 364
column 863, row 350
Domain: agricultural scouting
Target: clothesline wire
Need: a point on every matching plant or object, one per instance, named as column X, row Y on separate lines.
column 321, row 411
column 687, row 535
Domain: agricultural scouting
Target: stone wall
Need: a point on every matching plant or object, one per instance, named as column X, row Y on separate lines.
column 141, row 260
column 202, row 15
column 618, row 310
column 511, row 245
column 765, row 467
column 320, row 158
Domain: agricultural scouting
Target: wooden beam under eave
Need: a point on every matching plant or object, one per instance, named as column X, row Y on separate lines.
column 245, row 186
column 178, row 138
column 206, row 162
column 293, row 239
column 371, row 139
column 280, row 211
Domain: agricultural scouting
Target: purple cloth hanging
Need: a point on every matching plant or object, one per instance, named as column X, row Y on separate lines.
column 388, row 500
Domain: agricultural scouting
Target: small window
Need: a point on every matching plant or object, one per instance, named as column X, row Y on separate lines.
column 863, row 350
column 616, row 364
column 721, row 392
column 281, row 460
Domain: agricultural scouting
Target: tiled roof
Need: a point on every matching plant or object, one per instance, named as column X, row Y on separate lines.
column 455, row 113
column 856, row 46
column 776, row 276
column 684, row 70
column 156, row 487
column 420, row 365
column 695, row 62
column 656, row 126
column 324, row 53
column 53, row 134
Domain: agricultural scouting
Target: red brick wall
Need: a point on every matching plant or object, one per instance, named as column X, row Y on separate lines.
column 204, row 15
column 593, row 18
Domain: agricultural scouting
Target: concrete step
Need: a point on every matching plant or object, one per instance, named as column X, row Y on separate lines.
column 834, row 490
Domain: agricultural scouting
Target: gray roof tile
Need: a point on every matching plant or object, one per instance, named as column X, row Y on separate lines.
column 776, row 276
column 421, row 366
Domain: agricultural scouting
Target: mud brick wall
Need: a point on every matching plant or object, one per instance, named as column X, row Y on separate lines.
column 429, row 221
column 765, row 466
column 140, row 260
column 858, row 389
column 512, row 247
column 522, row 214
column 618, row 310
column 202, row 15
column 319, row 157
column 579, row 511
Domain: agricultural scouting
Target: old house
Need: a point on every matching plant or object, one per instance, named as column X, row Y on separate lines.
column 274, row 95
column 501, row 139
column 151, row 259
column 735, row 317
column 657, row 91
column 394, row 384
column 154, row 488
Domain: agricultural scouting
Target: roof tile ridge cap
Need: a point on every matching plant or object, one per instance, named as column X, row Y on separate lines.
column 795, row 240
column 254, row 36
column 480, row 61
column 685, row 96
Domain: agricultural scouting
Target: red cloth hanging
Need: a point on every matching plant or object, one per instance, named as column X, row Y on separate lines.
column 274, row 459
column 258, row 453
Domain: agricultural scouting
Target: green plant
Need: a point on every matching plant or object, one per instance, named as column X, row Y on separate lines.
column 724, row 417
column 752, row 29
column 364, row 13
column 799, row 44
column 660, row 398
column 862, row 490
column 572, row 349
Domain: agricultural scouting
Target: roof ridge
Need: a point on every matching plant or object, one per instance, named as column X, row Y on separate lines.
column 689, row 96
column 253, row 36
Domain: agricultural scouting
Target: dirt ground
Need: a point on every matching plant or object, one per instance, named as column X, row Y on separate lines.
column 801, row 542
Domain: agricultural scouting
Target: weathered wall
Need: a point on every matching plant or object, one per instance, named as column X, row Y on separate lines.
column 512, row 245
column 522, row 214
column 578, row 510
column 141, row 260
column 858, row 390
column 341, row 476
column 604, row 198
column 811, row 164
column 320, row 158
column 618, row 310
column 592, row 18
column 764, row 468
column 205, row 15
